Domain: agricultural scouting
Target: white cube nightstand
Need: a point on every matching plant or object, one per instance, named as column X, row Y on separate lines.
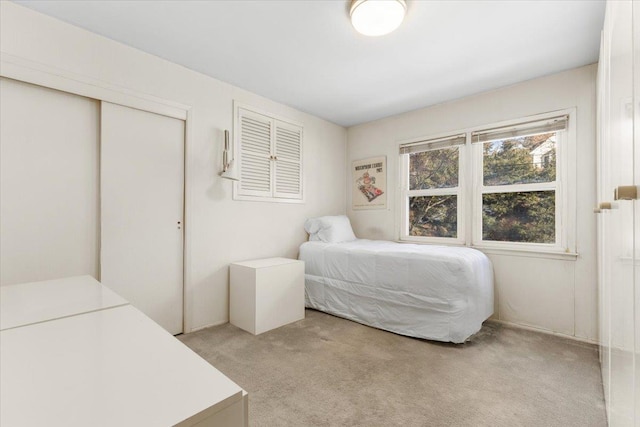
column 266, row 293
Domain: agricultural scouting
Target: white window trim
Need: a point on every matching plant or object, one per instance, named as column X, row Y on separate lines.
column 470, row 192
column 564, row 187
column 236, row 150
column 458, row 191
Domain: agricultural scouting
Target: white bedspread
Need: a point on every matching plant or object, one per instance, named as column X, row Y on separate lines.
column 435, row 292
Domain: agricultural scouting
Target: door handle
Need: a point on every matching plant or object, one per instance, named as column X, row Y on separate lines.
column 605, row 206
column 626, row 192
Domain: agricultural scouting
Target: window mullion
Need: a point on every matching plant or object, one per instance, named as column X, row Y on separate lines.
column 519, row 188
column 452, row 191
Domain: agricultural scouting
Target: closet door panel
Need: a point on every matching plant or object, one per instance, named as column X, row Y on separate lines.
column 620, row 228
column 636, row 203
column 49, row 204
column 142, row 180
column 603, row 186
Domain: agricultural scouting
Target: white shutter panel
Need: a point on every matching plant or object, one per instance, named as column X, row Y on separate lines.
column 288, row 161
column 255, row 154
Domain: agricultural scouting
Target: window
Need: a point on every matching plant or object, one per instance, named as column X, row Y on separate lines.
column 519, row 186
column 432, row 208
column 269, row 157
column 517, row 193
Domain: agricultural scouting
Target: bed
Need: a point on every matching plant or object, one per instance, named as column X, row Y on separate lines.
column 439, row 293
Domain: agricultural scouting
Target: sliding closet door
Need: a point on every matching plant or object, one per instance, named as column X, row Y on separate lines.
column 618, row 222
column 142, row 183
column 603, row 194
column 49, row 206
column 636, row 203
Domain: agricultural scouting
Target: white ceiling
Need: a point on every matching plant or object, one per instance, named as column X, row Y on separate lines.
column 307, row 55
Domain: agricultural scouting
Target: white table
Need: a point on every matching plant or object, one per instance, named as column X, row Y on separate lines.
column 28, row 303
column 107, row 365
column 266, row 293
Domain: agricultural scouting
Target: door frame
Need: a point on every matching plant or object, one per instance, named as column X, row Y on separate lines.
column 24, row 70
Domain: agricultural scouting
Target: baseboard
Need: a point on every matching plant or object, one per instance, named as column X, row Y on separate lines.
column 208, row 325
column 491, row 319
column 544, row 331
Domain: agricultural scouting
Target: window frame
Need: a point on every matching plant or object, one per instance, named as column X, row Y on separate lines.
column 471, row 188
column 563, row 186
column 459, row 192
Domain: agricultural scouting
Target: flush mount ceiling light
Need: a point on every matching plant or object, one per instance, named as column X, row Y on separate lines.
column 377, row 17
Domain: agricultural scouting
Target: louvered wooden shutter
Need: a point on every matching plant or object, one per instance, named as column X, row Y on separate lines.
column 255, row 154
column 288, row 161
column 269, row 155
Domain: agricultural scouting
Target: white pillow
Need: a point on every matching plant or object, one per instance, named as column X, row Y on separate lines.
column 330, row 229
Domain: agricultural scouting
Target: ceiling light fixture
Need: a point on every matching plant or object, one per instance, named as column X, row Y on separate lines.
column 377, row 17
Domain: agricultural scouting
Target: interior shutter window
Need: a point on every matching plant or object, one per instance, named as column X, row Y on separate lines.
column 269, row 157
column 288, row 161
column 255, row 154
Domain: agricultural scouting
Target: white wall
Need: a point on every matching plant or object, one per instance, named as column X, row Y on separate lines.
column 557, row 295
column 221, row 230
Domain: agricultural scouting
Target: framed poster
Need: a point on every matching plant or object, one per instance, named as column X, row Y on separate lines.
column 369, row 185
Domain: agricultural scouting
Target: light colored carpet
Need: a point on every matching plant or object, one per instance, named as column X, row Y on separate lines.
column 327, row 371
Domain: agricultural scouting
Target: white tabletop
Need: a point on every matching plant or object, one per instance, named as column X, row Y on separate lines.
column 35, row 302
column 266, row 262
column 113, row 367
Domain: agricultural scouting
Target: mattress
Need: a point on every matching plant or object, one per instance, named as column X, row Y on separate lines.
column 439, row 293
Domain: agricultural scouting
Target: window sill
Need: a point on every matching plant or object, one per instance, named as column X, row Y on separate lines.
column 529, row 253
column 521, row 252
column 443, row 241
